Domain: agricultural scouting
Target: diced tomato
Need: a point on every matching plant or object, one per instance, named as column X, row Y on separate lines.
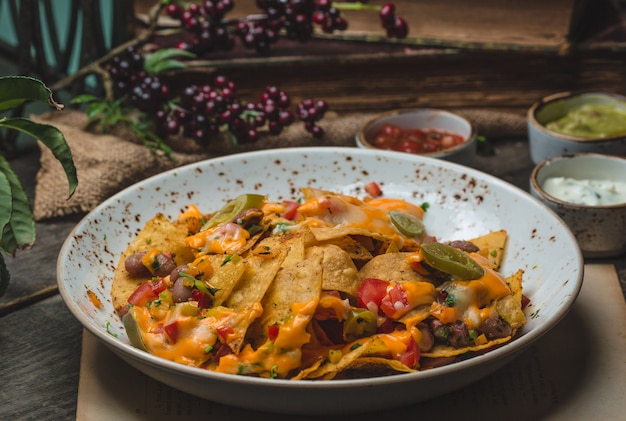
column 395, row 302
column 409, row 146
column 371, row 292
column 147, row 291
column 373, row 189
column 171, row 329
column 143, row 294
column 223, row 332
column 272, row 332
column 525, row 301
column 159, row 286
column 291, row 209
column 201, row 298
column 410, row 356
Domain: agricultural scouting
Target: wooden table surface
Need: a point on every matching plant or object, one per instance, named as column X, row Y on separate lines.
column 40, row 340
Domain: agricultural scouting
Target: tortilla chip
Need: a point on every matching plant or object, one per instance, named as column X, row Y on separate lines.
column 374, row 367
column 392, row 267
column 338, row 270
column 510, row 307
column 329, row 370
column 492, row 246
column 227, row 271
column 334, row 233
column 299, row 280
column 160, row 234
column 442, row 351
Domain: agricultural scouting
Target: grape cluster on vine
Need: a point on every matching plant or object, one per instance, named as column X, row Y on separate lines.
column 210, row 29
column 201, row 111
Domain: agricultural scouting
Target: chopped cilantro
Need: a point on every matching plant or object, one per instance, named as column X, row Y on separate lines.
column 273, row 371
column 450, row 300
column 108, row 327
column 425, row 206
column 208, row 349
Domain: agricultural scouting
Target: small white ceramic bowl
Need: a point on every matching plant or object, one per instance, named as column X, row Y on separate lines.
column 545, row 143
column 600, row 229
column 425, row 118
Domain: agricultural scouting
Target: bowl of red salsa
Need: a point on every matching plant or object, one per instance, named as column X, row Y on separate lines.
column 423, row 131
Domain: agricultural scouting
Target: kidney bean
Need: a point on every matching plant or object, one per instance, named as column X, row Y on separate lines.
column 495, row 327
column 176, row 272
column 181, row 292
column 135, row 266
column 164, row 265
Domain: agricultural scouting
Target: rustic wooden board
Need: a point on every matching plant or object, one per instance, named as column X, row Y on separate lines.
column 503, row 81
column 537, row 24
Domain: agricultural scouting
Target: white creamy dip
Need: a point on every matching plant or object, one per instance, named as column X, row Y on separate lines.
column 587, row 192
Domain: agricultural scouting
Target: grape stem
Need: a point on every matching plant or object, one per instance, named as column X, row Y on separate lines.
column 340, row 5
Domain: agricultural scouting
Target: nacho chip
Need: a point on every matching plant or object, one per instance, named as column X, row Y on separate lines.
column 510, row 307
column 158, row 234
column 492, row 246
column 228, row 270
column 299, row 280
column 392, row 267
column 338, row 270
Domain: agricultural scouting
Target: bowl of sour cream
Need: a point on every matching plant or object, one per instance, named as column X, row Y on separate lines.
column 577, row 122
column 588, row 191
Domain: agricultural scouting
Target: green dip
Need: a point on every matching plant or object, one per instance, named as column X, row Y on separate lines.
column 591, row 120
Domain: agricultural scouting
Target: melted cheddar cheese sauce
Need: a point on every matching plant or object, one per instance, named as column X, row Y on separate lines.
column 471, row 299
column 347, row 211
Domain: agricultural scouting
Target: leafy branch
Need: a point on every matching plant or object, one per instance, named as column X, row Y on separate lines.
column 17, row 223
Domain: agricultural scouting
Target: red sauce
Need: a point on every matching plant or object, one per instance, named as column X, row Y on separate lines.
column 415, row 140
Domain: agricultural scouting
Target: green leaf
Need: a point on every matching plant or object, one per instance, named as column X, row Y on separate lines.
column 6, row 206
column 168, row 65
column 15, row 90
column 5, row 277
column 81, row 99
column 53, row 139
column 154, row 62
column 19, row 232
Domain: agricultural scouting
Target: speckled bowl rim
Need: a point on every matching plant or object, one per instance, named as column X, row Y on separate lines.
column 545, row 101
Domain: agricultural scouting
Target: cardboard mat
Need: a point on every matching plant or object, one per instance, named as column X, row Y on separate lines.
column 575, row 372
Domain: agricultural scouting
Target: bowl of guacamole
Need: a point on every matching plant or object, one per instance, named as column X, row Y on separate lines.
column 574, row 122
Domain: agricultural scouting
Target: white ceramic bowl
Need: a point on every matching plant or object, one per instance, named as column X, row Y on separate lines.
column 545, row 143
column 425, row 118
column 599, row 229
column 463, row 203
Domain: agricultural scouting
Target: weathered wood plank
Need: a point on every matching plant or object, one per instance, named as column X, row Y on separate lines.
column 40, row 348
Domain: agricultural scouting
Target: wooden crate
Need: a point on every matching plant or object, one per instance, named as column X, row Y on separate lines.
column 495, row 54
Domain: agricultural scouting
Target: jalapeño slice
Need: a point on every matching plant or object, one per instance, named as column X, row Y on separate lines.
column 359, row 324
column 407, row 225
column 452, row 261
column 133, row 332
column 233, row 208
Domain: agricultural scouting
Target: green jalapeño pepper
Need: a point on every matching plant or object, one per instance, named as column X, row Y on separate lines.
column 407, row 225
column 452, row 261
column 234, row 208
column 359, row 324
column 133, row 332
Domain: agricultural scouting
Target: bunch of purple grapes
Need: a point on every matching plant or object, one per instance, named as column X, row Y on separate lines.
column 210, row 30
column 201, row 111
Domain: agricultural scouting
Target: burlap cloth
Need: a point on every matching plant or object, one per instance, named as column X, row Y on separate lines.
column 107, row 163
